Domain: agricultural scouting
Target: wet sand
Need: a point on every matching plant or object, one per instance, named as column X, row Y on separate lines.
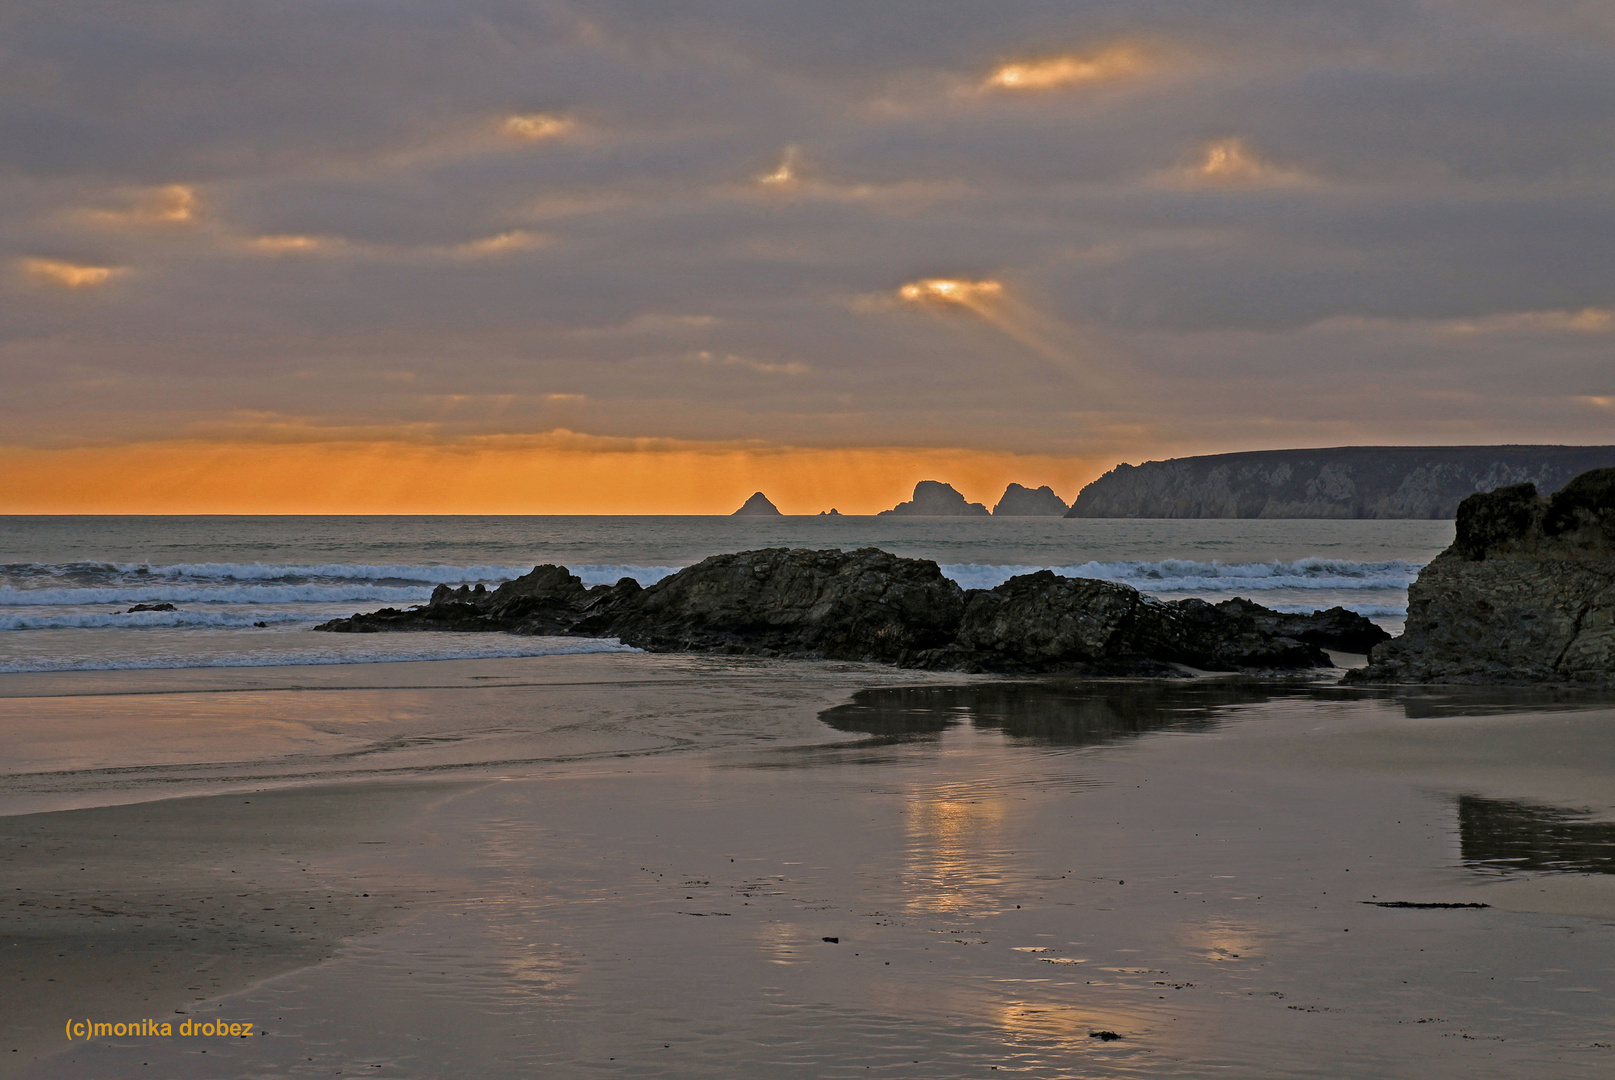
column 1008, row 871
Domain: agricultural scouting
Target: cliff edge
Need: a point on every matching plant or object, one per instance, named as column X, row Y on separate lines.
column 1340, row 482
column 1525, row 594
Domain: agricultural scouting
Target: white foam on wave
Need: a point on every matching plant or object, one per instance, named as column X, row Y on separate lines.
column 610, row 574
column 147, row 620
column 1182, row 575
column 435, row 574
column 484, row 647
column 212, row 594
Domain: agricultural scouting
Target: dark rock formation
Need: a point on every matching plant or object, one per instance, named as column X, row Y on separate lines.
column 832, row 512
column 151, row 607
column 859, row 605
column 757, row 506
column 1525, row 594
column 1344, row 482
column 871, row 605
column 1024, row 502
column 932, row 498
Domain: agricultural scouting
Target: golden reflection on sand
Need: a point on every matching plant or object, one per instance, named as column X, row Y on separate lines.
column 952, row 861
column 1220, row 940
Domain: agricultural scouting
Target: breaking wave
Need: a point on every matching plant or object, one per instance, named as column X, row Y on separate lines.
column 1182, row 575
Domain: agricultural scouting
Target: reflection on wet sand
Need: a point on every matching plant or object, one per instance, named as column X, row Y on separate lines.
column 1069, row 714
column 1498, row 835
column 953, row 852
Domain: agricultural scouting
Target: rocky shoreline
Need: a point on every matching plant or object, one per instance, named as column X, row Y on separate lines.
column 871, row 605
column 1525, row 594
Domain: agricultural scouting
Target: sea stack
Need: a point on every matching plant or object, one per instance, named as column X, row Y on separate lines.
column 757, row 506
column 1021, row 501
column 1525, row 594
column 932, row 498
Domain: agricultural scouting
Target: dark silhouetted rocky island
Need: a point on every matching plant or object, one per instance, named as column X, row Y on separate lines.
column 757, row 506
column 1343, row 482
column 1021, row 501
column 932, row 498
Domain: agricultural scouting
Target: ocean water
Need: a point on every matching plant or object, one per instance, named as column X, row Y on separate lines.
column 247, row 590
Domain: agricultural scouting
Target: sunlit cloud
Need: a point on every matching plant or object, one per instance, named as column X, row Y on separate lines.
column 67, row 275
column 281, row 243
column 170, row 204
column 977, row 296
column 989, row 301
column 786, row 176
column 1063, row 72
column 1233, row 163
column 1591, row 320
column 534, row 127
column 503, row 244
column 735, row 360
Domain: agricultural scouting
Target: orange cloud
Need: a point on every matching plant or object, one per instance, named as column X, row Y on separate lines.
column 554, row 474
column 532, row 127
column 67, row 275
column 1232, row 163
column 170, row 204
column 1062, row 72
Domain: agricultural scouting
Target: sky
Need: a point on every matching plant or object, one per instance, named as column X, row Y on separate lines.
column 633, row 256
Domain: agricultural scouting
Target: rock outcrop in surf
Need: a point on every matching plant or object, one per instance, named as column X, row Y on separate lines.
column 1341, row 482
column 932, row 498
column 1525, row 594
column 871, row 605
column 1021, row 501
column 757, row 506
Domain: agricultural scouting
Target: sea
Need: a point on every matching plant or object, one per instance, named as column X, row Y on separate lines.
column 247, row 591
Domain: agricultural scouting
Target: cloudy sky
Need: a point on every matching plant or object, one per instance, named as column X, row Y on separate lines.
column 617, row 255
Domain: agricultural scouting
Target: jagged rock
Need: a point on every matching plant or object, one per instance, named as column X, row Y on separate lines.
column 151, row 607
column 757, row 506
column 932, row 498
column 832, row 512
column 1525, row 594
column 547, row 600
column 1043, row 622
column 1021, row 501
column 861, row 605
column 1340, row 482
column 871, row 605
column 1335, row 628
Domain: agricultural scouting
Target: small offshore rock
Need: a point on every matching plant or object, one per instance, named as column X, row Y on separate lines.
column 151, row 607
column 757, row 506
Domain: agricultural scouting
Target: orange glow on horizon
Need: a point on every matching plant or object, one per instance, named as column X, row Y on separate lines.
column 541, row 475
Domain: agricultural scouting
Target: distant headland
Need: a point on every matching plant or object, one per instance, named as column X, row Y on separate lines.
column 1339, row 482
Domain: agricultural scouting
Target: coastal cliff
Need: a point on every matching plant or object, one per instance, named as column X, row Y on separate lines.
column 871, row 605
column 1525, row 594
column 1343, row 482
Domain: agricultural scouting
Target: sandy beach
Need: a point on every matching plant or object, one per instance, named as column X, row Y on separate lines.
column 660, row 866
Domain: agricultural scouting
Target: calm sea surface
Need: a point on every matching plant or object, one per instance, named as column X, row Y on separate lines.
column 246, row 590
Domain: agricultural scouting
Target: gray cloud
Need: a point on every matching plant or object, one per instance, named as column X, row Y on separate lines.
column 1400, row 168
